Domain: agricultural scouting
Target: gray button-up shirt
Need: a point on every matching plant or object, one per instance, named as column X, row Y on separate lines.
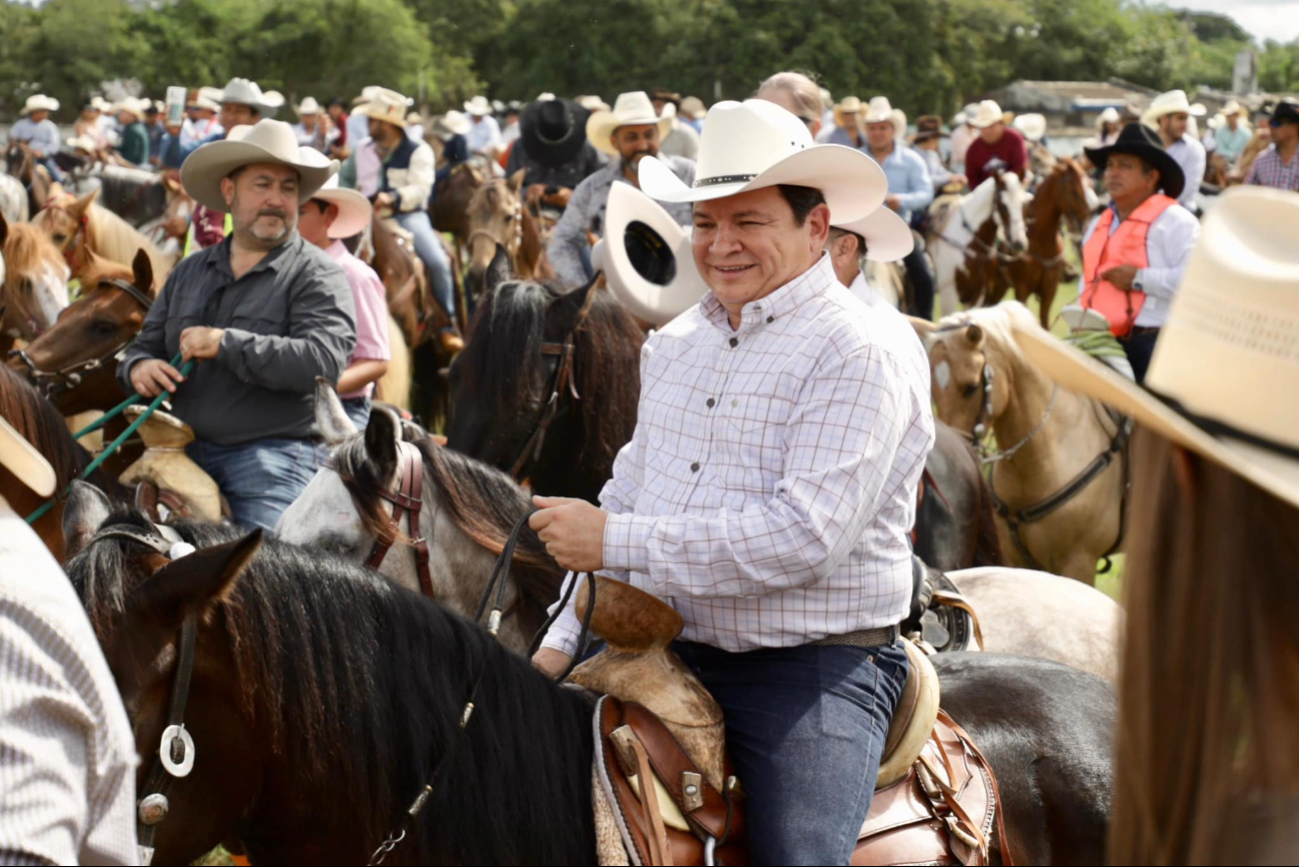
column 288, row 320
column 586, row 211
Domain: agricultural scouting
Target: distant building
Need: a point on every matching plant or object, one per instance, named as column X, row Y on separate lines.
column 1070, row 104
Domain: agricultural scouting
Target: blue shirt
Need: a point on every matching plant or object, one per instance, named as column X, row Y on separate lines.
column 840, row 136
column 908, row 179
column 42, row 137
column 176, row 149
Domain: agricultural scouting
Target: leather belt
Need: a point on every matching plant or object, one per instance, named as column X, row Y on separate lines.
column 879, row 637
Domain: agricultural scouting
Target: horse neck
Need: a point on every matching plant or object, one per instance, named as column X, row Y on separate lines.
column 1029, row 394
column 977, row 212
column 1046, row 213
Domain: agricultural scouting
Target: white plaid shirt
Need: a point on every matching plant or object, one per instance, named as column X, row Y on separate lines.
column 770, row 485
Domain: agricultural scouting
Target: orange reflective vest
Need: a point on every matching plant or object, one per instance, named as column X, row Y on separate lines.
column 1127, row 246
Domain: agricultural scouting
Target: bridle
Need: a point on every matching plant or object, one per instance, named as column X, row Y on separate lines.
column 407, row 500
column 565, row 352
column 72, row 376
column 175, row 755
column 515, row 240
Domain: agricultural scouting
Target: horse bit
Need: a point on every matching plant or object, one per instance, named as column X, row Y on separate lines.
column 175, row 756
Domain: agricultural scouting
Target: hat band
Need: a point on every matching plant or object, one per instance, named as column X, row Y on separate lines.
column 1217, row 428
column 723, row 179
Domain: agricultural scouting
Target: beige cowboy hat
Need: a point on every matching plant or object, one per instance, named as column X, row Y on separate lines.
column 592, row 103
column 1172, row 102
column 366, row 92
column 1109, row 115
column 1232, row 107
column 39, row 102
column 387, row 105
column 630, row 109
column 354, row 209
column 986, row 114
column 693, row 107
column 1227, row 351
column 1032, row 125
column 308, row 106
column 241, row 91
column 878, row 110
column 20, row 458
column 456, row 122
column 478, row 107
column 647, row 258
column 847, row 105
column 267, row 141
column 888, row 237
column 755, row 144
column 131, row 104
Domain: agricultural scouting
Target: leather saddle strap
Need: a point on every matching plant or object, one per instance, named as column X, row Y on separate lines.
column 956, row 600
column 950, row 799
column 1003, row 844
column 660, row 851
column 670, row 759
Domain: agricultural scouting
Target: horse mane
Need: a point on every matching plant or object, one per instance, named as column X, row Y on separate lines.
column 27, row 248
column 506, row 337
column 114, row 238
column 336, row 659
column 36, row 419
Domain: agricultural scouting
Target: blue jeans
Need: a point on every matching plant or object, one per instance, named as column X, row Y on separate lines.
column 1140, row 348
column 358, row 410
column 260, row 478
column 429, row 249
column 805, row 727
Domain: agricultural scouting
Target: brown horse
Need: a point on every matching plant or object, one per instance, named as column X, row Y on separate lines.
column 1061, row 194
column 35, row 284
column 21, row 163
column 497, row 215
column 80, row 227
column 449, row 210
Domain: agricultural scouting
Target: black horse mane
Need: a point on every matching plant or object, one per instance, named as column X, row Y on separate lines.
column 505, row 344
column 364, row 683
column 36, row 419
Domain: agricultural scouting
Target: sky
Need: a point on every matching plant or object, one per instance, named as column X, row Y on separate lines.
column 1264, row 19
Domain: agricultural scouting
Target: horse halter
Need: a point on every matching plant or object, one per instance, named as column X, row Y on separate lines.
column 71, row 376
column 175, row 755
column 407, row 500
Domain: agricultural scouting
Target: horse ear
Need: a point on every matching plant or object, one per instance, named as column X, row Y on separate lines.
column 84, row 512
column 189, row 584
column 974, row 334
column 83, row 204
column 924, row 328
column 382, row 440
column 581, row 299
column 334, row 423
column 516, row 181
column 143, row 268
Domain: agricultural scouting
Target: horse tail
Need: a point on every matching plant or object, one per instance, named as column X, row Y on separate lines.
column 988, row 549
column 394, row 386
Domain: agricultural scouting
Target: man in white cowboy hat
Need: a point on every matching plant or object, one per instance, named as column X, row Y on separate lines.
column 910, row 191
column 242, row 104
column 134, row 144
column 1230, row 138
column 1169, row 113
column 203, row 122
column 997, row 144
column 264, row 313
column 396, row 173
column 485, row 133
column 628, row 133
column 67, row 752
column 39, row 132
column 358, row 122
column 309, row 129
column 1107, row 128
column 327, row 217
column 963, row 135
column 848, row 124
column 770, row 484
column 1136, row 251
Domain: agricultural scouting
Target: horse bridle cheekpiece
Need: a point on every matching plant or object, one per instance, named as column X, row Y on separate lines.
column 175, row 756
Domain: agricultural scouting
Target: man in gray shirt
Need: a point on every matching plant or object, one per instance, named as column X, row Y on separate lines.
column 264, row 312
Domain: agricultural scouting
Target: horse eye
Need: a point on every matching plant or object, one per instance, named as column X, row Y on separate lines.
column 104, row 326
column 59, row 239
column 970, row 391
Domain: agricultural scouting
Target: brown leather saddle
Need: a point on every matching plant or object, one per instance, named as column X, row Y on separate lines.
column 936, row 799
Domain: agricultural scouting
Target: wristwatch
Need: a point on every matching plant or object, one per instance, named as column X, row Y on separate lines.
column 1137, row 284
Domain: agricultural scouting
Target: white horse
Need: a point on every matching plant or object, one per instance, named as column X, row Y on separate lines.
column 13, row 199
column 965, row 236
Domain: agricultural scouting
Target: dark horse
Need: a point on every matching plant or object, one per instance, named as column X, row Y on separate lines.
column 506, row 383
column 324, row 698
column 955, row 525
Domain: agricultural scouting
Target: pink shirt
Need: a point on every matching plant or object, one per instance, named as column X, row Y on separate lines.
column 371, row 311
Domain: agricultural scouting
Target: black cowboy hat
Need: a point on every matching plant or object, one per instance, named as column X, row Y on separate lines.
column 1140, row 140
column 554, row 130
column 1286, row 111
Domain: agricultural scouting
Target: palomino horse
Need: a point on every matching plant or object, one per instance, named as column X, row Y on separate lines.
column 547, row 386
column 79, row 227
column 314, row 676
column 21, row 165
column 1062, row 193
column 1058, row 477
column 966, row 236
column 498, row 216
column 14, row 206
column 35, row 286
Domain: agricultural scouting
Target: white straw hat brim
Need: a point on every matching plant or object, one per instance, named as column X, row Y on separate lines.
column 888, row 237
column 20, row 458
column 354, row 211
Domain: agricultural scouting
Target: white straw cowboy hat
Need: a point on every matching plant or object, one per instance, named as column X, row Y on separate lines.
column 1109, row 115
column 1232, row 107
column 366, row 93
column 755, row 144
column 592, row 103
column 630, row 109
column 478, row 107
column 878, row 110
column 267, row 141
column 100, row 104
column 647, row 258
column 388, row 106
column 241, row 91
column 693, row 107
column 1227, row 355
column 899, row 118
column 1172, row 102
column 986, row 114
column 354, row 209
column 888, row 237
column 1032, row 125
column 847, row 105
column 20, row 458
column 131, row 104
column 209, row 98
column 456, row 122
column 39, row 102
column 308, row 106
column 82, row 142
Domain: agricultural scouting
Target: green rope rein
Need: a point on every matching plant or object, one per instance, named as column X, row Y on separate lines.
column 112, row 447
column 1098, row 344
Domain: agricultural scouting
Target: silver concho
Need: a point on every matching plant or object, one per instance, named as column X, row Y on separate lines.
column 185, row 764
column 153, row 809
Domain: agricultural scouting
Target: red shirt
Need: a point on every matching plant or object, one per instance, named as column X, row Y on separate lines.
column 1010, row 150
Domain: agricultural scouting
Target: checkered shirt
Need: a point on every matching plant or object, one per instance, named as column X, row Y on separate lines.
column 1269, row 171
column 770, row 485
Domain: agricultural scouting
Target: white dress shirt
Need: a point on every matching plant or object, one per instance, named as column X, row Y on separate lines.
column 483, row 135
column 67, row 755
column 1190, row 155
column 1168, row 248
column 891, row 316
column 770, row 485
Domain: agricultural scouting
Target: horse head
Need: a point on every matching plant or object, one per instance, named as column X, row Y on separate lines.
column 495, row 217
column 35, row 287
column 1074, row 196
column 65, row 219
column 1008, row 210
column 90, row 333
column 19, row 161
